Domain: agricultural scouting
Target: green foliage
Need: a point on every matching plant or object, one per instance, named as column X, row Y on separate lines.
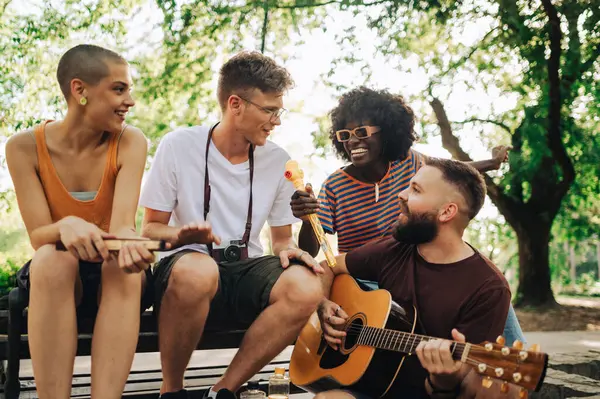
column 175, row 58
column 554, row 123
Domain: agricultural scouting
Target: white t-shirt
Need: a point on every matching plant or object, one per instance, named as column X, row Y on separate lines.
column 175, row 184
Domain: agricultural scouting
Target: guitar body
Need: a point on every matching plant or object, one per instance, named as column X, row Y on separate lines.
column 316, row 367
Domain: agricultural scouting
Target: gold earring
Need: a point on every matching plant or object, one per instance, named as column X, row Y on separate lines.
column 83, row 101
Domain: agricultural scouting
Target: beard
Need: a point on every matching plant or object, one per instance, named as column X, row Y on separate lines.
column 416, row 228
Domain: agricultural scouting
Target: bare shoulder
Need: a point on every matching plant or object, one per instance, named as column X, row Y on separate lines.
column 133, row 140
column 21, row 147
column 133, row 135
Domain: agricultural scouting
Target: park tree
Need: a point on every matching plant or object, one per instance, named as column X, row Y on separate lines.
column 541, row 53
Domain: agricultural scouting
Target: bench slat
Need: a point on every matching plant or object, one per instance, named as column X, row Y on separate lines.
column 147, row 342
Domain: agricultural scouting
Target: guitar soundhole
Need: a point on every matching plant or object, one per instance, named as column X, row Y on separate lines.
column 352, row 333
column 334, row 358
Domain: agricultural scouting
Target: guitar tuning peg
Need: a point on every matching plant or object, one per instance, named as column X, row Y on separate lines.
column 487, row 382
column 523, row 393
column 535, row 348
column 517, row 377
column 500, row 340
column 518, row 345
column 504, row 387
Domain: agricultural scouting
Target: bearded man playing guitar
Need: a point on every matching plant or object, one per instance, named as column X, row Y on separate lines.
column 456, row 292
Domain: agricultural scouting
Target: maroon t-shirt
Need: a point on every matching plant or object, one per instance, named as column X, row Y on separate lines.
column 471, row 295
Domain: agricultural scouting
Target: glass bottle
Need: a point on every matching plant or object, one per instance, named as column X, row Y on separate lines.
column 279, row 384
column 253, row 391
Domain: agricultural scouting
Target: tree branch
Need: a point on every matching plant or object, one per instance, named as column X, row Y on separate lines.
column 324, row 3
column 554, row 136
column 3, row 7
column 478, row 46
column 505, row 204
column 264, row 27
column 493, row 122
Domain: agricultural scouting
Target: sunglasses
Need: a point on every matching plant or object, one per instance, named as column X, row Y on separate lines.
column 361, row 132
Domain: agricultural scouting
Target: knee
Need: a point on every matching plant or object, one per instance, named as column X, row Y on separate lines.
column 120, row 283
column 53, row 270
column 302, row 289
column 194, row 278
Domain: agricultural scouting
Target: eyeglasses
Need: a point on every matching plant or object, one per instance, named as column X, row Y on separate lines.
column 361, row 132
column 275, row 114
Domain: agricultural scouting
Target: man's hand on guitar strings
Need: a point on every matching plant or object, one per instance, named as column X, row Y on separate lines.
column 333, row 318
column 435, row 357
column 297, row 253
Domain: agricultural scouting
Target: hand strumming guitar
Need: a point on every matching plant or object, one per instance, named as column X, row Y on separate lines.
column 332, row 318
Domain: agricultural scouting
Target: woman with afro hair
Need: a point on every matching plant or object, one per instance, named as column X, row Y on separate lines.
column 374, row 131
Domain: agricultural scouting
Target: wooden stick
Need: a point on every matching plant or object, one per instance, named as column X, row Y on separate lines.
column 115, row 244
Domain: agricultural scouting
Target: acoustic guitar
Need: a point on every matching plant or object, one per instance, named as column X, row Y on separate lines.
column 380, row 335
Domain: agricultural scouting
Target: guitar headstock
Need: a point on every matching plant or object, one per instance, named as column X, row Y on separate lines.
column 525, row 368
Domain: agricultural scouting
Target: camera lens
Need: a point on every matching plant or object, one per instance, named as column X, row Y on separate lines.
column 232, row 253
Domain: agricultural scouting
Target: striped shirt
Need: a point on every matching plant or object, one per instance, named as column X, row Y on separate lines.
column 348, row 207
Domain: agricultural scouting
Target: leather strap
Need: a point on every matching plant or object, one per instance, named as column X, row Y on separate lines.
column 246, row 236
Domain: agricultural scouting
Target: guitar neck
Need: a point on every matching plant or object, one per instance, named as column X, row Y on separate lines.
column 400, row 341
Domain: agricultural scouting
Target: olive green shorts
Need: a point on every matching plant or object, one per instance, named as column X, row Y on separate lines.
column 244, row 288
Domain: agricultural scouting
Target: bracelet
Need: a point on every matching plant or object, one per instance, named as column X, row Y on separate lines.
column 436, row 390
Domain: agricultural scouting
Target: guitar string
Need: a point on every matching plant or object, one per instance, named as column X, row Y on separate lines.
column 398, row 336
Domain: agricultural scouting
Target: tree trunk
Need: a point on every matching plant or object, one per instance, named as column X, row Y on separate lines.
column 534, row 274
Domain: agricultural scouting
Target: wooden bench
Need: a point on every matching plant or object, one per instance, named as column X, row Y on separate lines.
column 14, row 347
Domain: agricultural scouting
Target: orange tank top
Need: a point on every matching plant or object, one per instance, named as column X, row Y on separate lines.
column 61, row 203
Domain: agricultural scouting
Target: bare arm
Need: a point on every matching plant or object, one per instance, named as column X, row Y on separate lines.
column 21, row 158
column 131, row 162
column 156, row 226
column 332, row 272
column 499, row 155
column 281, row 238
column 307, row 239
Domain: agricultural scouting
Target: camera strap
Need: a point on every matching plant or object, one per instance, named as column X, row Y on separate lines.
column 246, row 237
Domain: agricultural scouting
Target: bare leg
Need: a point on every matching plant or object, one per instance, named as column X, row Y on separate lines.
column 293, row 299
column 116, row 330
column 55, row 289
column 193, row 283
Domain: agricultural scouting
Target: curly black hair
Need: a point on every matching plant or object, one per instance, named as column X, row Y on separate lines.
column 381, row 108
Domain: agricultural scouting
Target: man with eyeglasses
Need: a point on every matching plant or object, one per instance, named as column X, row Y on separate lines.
column 209, row 192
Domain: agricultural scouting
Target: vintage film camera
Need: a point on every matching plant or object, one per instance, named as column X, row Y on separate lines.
column 230, row 251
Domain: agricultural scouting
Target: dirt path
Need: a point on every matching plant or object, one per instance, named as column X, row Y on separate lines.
column 574, row 314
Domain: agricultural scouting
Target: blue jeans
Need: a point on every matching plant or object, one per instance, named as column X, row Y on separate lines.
column 512, row 328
